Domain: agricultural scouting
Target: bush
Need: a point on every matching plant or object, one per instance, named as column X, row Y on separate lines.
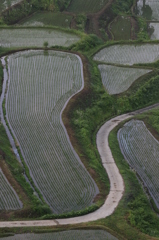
column 87, row 42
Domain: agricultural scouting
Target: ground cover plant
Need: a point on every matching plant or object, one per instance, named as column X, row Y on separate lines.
column 9, row 199
column 86, row 6
column 128, row 54
column 141, row 150
column 35, row 109
column 121, row 28
column 35, row 37
column 118, row 79
column 73, row 234
column 48, row 18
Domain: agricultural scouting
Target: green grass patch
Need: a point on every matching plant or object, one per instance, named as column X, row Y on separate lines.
column 121, row 28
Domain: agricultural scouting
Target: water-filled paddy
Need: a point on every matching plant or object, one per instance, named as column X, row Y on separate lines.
column 40, row 85
column 35, row 37
column 118, row 79
column 141, row 150
column 128, row 54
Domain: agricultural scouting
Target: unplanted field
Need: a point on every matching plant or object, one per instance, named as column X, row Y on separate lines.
column 119, row 79
column 154, row 31
column 48, row 18
column 128, row 54
column 8, row 198
column 34, row 37
column 121, row 28
column 66, row 235
column 40, row 84
column 149, row 9
column 141, row 150
column 86, row 6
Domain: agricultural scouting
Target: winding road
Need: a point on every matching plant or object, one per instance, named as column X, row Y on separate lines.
column 116, row 180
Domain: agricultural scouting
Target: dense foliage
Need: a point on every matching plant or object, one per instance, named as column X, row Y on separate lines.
column 120, row 6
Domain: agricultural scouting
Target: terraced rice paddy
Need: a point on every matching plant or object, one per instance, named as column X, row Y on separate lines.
column 8, row 197
column 86, row 6
column 66, row 235
column 154, row 31
column 35, row 37
column 7, row 3
column 39, row 87
column 128, row 54
column 118, row 79
column 149, row 9
column 141, row 150
column 121, row 28
column 48, row 18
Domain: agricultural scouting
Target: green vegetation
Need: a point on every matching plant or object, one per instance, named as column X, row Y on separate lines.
column 45, row 44
column 87, row 43
column 81, row 21
column 26, row 8
column 120, row 6
column 63, row 4
column 121, row 28
column 143, row 33
column 147, row 94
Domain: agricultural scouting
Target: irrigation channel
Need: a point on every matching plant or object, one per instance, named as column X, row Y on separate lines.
column 116, row 181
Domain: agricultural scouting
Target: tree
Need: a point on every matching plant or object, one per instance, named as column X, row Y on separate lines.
column 45, row 44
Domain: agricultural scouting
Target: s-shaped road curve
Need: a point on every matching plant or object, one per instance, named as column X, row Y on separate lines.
column 116, row 181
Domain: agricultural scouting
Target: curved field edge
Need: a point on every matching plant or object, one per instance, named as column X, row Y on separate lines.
column 67, row 122
column 78, row 81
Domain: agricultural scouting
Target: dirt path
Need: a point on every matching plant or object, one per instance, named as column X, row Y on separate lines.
column 94, row 17
column 116, row 181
